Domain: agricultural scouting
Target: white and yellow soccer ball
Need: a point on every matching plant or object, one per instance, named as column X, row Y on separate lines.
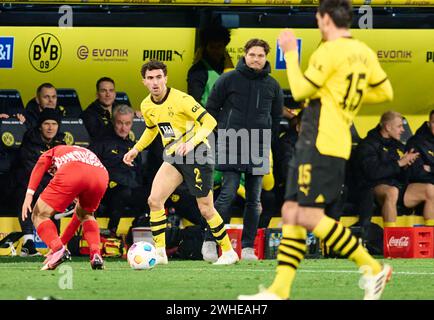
column 142, row 255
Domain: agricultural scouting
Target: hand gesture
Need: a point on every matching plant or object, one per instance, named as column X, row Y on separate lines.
column 287, row 40
column 20, row 117
column 408, row 158
column 27, row 206
column 130, row 156
column 185, row 148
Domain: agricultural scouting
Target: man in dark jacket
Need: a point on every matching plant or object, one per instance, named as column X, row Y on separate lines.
column 36, row 141
column 110, row 149
column 247, row 102
column 46, row 97
column 97, row 115
column 383, row 165
column 423, row 142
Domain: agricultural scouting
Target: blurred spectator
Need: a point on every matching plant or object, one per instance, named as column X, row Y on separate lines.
column 210, row 62
column 423, row 142
column 46, row 97
column 97, row 116
column 246, row 99
column 422, row 171
column 284, row 149
column 11, row 105
column 384, row 164
column 36, row 141
column 110, row 149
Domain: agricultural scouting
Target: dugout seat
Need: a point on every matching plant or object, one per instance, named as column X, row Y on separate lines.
column 11, row 132
column 137, row 128
column 407, row 131
column 68, row 102
column 122, row 98
column 75, row 132
column 355, row 138
column 11, row 102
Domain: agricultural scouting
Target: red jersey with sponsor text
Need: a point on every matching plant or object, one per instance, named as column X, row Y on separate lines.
column 53, row 159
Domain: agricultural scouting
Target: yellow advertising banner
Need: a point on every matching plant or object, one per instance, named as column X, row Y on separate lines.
column 407, row 56
column 78, row 57
column 278, row 3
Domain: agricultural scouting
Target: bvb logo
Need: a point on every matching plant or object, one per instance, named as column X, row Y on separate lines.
column 8, row 139
column 69, row 138
column 132, row 136
column 45, row 52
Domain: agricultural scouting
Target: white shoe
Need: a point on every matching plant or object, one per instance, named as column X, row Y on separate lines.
column 161, row 256
column 374, row 285
column 263, row 294
column 209, row 251
column 227, row 257
column 248, row 254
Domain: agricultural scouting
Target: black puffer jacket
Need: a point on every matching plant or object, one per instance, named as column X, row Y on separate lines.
column 246, row 99
column 97, row 120
column 422, row 142
column 110, row 149
column 376, row 161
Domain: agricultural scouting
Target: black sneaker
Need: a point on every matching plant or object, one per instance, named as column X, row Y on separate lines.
column 97, row 263
column 28, row 249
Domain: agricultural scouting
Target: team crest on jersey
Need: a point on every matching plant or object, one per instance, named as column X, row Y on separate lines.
column 166, row 129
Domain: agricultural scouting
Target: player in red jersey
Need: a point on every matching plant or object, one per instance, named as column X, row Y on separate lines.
column 78, row 173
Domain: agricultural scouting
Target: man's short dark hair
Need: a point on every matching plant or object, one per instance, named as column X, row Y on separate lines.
column 42, row 86
column 214, row 33
column 104, row 79
column 431, row 114
column 153, row 65
column 341, row 11
column 257, row 43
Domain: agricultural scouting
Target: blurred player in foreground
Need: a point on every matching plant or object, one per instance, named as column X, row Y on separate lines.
column 342, row 74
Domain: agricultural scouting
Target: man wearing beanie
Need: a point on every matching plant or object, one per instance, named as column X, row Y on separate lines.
column 37, row 140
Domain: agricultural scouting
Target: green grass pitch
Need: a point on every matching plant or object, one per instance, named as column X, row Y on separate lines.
column 321, row 279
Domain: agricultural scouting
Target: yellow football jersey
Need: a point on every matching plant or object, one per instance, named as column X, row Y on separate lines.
column 177, row 118
column 342, row 70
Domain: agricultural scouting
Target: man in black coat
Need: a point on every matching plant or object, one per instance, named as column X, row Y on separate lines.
column 46, row 97
column 36, row 141
column 124, row 180
column 97, row 116
column 383, row 165
column 247, row 102
column 422, row 170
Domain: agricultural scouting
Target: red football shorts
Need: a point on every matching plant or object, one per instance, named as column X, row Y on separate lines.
column 76, row 179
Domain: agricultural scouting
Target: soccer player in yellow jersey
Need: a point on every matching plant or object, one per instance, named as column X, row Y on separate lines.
column 342, row 74
column 184, row 126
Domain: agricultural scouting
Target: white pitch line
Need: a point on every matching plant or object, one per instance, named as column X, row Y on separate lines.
column 411, row 273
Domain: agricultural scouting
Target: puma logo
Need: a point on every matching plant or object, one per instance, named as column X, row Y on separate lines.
column 305, row 190
column 179, row 54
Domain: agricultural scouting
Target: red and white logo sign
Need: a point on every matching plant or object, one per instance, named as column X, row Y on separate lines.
column 399, row 242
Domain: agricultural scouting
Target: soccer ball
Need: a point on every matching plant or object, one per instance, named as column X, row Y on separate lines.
column 142, row 255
